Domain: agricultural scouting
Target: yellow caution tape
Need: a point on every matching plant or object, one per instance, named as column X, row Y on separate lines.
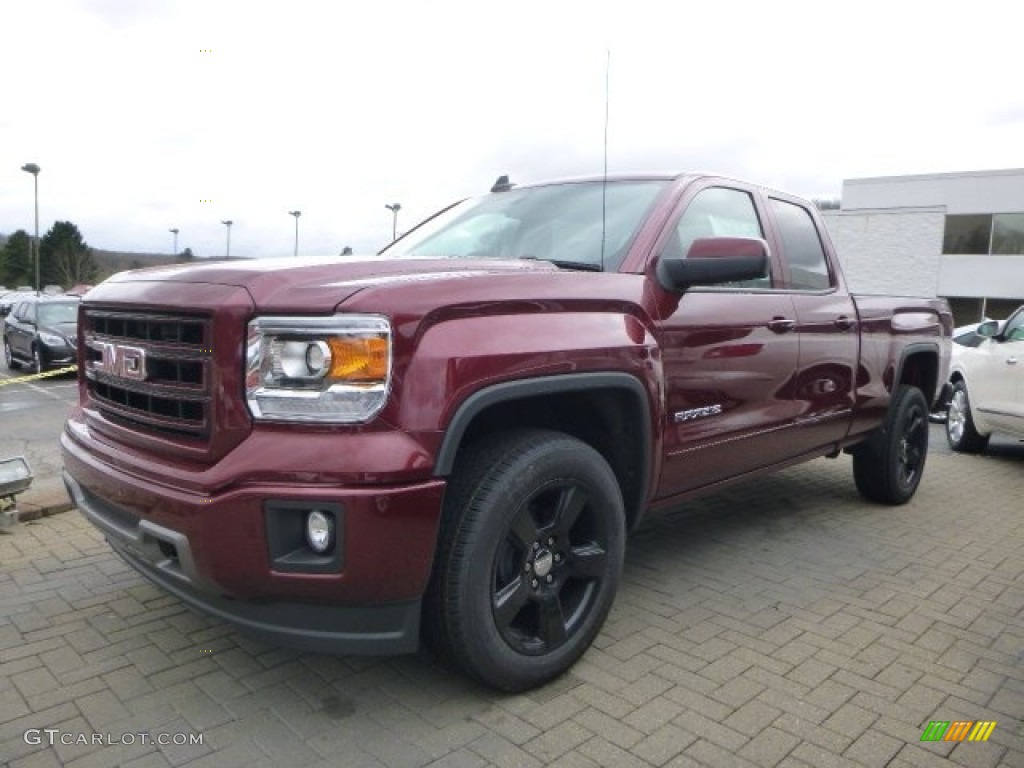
column 34, row 376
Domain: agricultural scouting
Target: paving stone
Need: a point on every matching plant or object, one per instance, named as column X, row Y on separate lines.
column 770, row 747
column 663, row 744
column 783, row 624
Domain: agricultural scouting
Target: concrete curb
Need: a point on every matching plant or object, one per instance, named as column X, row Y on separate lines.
column 43, row 503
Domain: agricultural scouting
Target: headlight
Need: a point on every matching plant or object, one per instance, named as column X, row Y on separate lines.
column 329, row 369
column 52, row 340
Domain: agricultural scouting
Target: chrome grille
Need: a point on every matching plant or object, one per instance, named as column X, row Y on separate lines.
column 150, row 372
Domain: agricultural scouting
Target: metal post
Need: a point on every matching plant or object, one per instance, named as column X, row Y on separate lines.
column 394, row 208
column 296, row 214
column 228, row 224
column 34, row 170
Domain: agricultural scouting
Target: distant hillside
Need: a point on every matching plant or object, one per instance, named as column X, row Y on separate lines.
column 110, row 262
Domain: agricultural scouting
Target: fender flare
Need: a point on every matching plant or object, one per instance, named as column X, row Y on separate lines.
column 908, row 351
column 520, row 389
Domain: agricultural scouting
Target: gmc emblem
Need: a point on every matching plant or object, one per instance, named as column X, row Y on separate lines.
column 121, row 361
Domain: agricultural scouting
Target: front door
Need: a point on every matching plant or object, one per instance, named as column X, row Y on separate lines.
column 728, row 354
column 997, row 387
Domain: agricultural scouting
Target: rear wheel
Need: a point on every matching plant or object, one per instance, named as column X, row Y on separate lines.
column 888, row 468
column 960, row 430
column 529, row 557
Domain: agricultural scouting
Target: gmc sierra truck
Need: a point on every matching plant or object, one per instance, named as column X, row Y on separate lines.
column 450, row 440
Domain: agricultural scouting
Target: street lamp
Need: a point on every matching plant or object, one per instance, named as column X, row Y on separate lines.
column 228, row 224
column 296, row 214
column 394, row 208
column 175, row 232
column 34, row 170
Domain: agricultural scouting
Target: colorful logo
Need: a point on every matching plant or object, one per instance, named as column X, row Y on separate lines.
column 958, row 730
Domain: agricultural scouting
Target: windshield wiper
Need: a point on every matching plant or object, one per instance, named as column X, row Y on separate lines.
column 581, row 266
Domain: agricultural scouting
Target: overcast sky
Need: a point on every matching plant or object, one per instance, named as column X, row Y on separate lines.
column 139, row 112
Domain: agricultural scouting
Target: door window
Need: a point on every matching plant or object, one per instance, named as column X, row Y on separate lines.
column 801, row 247
column 718, row 211
column 1015, row 328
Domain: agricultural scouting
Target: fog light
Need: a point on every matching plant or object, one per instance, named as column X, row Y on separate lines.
column 320, row 531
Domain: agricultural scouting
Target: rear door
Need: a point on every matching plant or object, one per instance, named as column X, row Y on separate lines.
column 728, row 352
column 824, row 380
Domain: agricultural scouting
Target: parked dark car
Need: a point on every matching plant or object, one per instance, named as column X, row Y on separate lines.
column 41, row 332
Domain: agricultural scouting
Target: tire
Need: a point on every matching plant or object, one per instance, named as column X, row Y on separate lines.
column 529, row 558
column 961, row 433
column 36, row 366
column 12, row 364
column 888, row 468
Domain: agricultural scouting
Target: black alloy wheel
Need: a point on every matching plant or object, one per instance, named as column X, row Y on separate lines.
column 888, row 468
column 529, row 557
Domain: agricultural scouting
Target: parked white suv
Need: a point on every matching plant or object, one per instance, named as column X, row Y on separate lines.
column 987, row 380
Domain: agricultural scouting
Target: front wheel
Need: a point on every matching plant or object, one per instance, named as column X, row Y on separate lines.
column 37, row 359
column 888, row 469
column 529, row 559
column 961, row 433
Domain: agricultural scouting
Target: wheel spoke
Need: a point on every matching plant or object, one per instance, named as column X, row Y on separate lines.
column 509, row 600
column 552, row 620
column 571, row 502
column 524, row 529
column 913, row 457
column 587, row 561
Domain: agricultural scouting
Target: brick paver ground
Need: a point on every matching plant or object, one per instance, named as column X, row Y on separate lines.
column 784, row 622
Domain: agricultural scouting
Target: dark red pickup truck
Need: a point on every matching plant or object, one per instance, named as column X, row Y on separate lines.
column 456, row 434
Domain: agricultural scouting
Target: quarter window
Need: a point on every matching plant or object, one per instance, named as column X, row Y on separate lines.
column 801, row 247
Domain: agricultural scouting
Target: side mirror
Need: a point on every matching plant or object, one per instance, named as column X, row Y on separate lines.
column 712, row 260
column 988, row 329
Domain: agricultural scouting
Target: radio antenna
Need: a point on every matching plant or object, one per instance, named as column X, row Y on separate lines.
column 604, row 178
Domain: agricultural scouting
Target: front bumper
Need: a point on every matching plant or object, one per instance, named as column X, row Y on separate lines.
column 214, row 550
column 54, row 355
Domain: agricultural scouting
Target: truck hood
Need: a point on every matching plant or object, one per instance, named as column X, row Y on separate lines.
column 320, row 284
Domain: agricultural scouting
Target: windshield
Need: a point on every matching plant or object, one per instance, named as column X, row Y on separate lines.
column 56, row 313
column 562, row 223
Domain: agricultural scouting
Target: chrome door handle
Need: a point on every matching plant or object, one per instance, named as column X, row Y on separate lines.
column 781, row 324
column 1011, row 361
column 844, row 323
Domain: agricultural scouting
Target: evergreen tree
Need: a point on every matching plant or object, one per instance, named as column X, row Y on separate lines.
column 16, row 266
column 65, row 258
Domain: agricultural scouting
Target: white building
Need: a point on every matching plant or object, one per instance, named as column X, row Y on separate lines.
column 956, row 235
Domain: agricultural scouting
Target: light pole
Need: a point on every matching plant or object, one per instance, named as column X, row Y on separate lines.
column 175, row 233
column 34, row 170
column 296, row 214
column 394, row 208
column 228, row 224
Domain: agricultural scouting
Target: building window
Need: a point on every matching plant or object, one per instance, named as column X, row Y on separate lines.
column 984, row 233
column 1008, row 233
column 967, row 234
